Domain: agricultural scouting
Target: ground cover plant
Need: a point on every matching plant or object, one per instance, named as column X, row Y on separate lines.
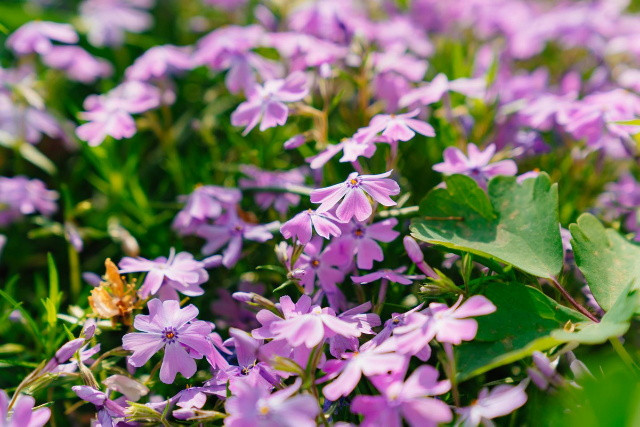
column 319, row 212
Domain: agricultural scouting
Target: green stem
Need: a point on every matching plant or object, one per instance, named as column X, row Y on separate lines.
column 624, row 354
column 74, row 270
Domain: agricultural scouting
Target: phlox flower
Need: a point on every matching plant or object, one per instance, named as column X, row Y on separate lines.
column 108, row 410
column 476, row 165
column 500, row 401
column 303, row 323
column 107, row 21
column 354, row 191
column 323, row 267
column 159, row 62
column 278, row 179
column 266, row 103
column 255, row 406
column 36, row 37
column 434, row 90
column 77, row 63
column 231, row 231
column 396, row 127
column 299, row 228
column 363, row 320
column 445, row 324
column 181, row 272
column 173, row 328
column 21, row 196
column 204, row 203
column 334, row 20
column 347, row 371
column 360, row 239
column 409, row 400
column 394, row 276
column 23, row 413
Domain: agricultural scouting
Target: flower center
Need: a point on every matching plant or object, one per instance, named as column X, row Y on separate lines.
column 315, row 263
column 264, row 410
column 358, row 232
column 353, row 182
column 169, row 335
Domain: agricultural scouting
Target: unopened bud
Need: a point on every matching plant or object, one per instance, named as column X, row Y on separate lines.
column 413, row 249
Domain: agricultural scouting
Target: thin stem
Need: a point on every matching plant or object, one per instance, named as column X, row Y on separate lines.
column 451, row 372
column 74, row 270
column 573, row 302
column 384, row 284
column 624, row 354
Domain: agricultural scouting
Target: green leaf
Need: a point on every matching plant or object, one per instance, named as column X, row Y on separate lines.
column 608, row 261
column 613, row 324
column 522, row 324
column 515, row 223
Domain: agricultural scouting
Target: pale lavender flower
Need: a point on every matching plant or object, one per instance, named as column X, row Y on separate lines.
column 543, row 373
column 204, row 203
column 294, row 142
column 230, row 230
column 109, row 412
column 417, row 257
column 304, row 51
column 36, row 37
column 299, row 228
column 173, row 328
column 320, row 265
column 255, row 406
column 181, row 272
column 409, row 400
column 333, row 20
column 23, row 413
column 107, row 21
column 160, row 62
column 363, row 320
column 434, row 91
column 267, row 103
column 77, row 63
column 394, row 276
column 396, row 127
column 355, row 190
column 476, row 165
column 347, row 371
column 445, row 324
column 110, row 114
column 351, row 149
column 500, row 401
column 360, row 239
column 278, row 179
column 21, row 196
column 303, row 323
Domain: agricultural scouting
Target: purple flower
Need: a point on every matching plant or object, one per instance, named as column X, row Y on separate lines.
column 396, row 127
column 266, row 103
column 417, row 257
column 180, row 272
column 322, row 266
column 107, row 21
column 23, row 413
column 110, row 114
column 108, row 410
column 369, row 361
column 303, row 323
column 394, row 276
column 500, row 401
column 231, row 231
column 351, row 149
column 299, row 228
column 406, row 399
column 77, row 63
column 327, row 19
column 477, row 165
column 277, row 179
column 363, row 320
column 445, row 324
column 543, row 373
column 21, row 196
column 173, row 328
column 359, row 239
column 159, row 62
column 204, row 203
column 355, row 190
column 254, row 406
column 36, row 37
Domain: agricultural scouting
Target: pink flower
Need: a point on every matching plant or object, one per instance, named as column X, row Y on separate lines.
column 107, row 21
column 159, row 62
column 254, row 406
column 173, row 328
column 347, row 371
column 204, row 203
column 477, row 165
column 266, row 104
column 278, row 179
column 323, row 267
column 359, row 239
column 300, row 226
column 500, row 401
column 396, row 127
column 180, row 272
column 351, row 149
column 36, row 37
column 303, row 323
column 79, row 64
column 23, row 196
column 406, row 399
column 445, row 324
column 354, row 191
column 394, row 276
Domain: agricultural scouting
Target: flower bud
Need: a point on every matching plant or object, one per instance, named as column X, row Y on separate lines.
column 413, row 249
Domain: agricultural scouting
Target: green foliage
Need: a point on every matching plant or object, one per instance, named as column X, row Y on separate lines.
column 608, row 261
column 515, row 223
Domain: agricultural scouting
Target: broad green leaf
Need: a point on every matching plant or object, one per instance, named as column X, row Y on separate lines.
column 608, row 261
column 514, row 223
column 613, row 324
column 522, row 324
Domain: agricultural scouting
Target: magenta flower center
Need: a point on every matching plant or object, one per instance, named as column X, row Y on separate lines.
column 169, row 335
column 353, row 183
